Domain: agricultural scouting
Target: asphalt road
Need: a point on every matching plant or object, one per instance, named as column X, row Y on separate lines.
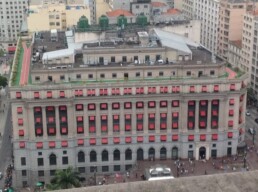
column 6, row 144
column 250, row 123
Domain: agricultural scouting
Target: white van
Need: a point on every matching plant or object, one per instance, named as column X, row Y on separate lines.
column 160, row 61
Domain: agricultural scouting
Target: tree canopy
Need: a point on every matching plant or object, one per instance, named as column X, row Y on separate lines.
column 3, row 81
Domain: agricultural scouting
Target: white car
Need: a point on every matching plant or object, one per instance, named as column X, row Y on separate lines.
column 251, row 131
column 248, row 113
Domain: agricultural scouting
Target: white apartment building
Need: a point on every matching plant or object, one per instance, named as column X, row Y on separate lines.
column 208, row 12
column 12, row 15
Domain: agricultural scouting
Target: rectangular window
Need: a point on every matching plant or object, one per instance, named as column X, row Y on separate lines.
column 149, row 74
column 65, row 160
column 188, row 73
column 41, row 173
column 90, row 76
column 78, row 76
column 102, row 75
column 114, row 75
column 40, row 162
column 161, row 73
column 113, row 59
column 137, row 74
column 23, row 161
column 105, row 168
column 62, row 77
column 24, row 173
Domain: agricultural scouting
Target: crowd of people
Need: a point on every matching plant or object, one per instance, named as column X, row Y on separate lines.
column 8, row 177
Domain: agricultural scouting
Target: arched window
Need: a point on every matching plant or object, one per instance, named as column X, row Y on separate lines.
column 128, row 154
column 139, row 154
column 151, row 153
column 81, row 157
column 116, row 155
column 93, row 156
column 174, row 153
column 52, row 159
column 104, row 155
column 163, row 153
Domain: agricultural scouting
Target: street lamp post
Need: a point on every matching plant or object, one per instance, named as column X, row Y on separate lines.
column 245, row 159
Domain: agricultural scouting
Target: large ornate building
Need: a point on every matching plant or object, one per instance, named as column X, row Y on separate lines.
column 102, row 105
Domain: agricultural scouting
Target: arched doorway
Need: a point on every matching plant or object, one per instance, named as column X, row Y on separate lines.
column 151, row 153
column 163, row 153
column 140, row 154
column 174, row 153
column 202, row 152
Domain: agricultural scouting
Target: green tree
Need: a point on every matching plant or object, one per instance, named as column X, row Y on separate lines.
column 64, row 179
column 3, row 81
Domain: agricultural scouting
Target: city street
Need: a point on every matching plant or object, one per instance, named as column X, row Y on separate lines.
column 250, row 123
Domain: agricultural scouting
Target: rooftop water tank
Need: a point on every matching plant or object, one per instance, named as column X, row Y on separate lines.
column 122, row 21
column 103, row 22
column 83, row 24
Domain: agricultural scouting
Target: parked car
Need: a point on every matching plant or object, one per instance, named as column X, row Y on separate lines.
column 248, row 113
column 251, row 131
column 256, row 120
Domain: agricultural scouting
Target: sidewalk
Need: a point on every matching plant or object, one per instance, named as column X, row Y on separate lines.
column 4, row 104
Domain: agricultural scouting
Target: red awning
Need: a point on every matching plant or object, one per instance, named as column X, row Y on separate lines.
column 52, row 144
column 190, row 124
column 139, row 90
column 215, row 102
column 64, row 130
column 37, row 109
column 191, row 103
column 21, row 132
column 139, row 126
column 128, row 116
column 163, row 89
column 79, row 106
column 49, row 94
column 116, row 127
column 203, row 137
column 104, row 128
column 140, row 139
column 62, row 94
column 175, row 114
column 18, row 95
column 63, row 119
column 19, row 110
column 231, row 112
column 231, row 101
column 190, row 113
column 104, row 140
column 139, row 116
column 163, row 125
column 163, row 103
column 128, row 139
column 38, row 120
column 175, row 103
column 127, row 127
column 36, row 95
column 80, row 93
column 20, row 122
column 118, row 91
column 115, row 117
column 139, row 104
column 11, row 49
column 152, row 115
column 92, row 129
column 232, row 87
column 230, row 123
column 214, row 123
column 203, row 103
column 22, row 144
column 103, row 106
column 175, row 125
column 192, row 88
column 151, row 103
column 163, row 138
column 92, row 141
column 51, row 130
column 151, row 138
column 64, row 144
column 80, row 142
column 214, row 136
column 163, row 115
column 241, row 98
column 128, row 105
column 177, row 89
column 203, row 113
column 113, row 91
column 115, row 105
column 204, row 88
column 216, row 88
column 202, row 124
column 214, row 112
column 91, row 106
column 174, row 137
column 80, row 118
column 127, row 90
column 38, row 131
column 151, row 125
column 92, row 118
column 50, row 119
column 80, row 129
column 103, row 117
column 174, row 89
column 230, row 134
column 190, row 137
column 39, row 145
column 116, row 140
column 50, row 108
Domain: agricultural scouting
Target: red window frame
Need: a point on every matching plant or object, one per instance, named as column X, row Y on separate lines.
column 163, row 89
column 174, row 137
column 92, row 118
column 216, row 88
column 163, row 138
column 22, row 144
column 63, row 119
column 215, row 112
column 191, row 103
column 203, row 103
column 139, row 127
column 174, row 125
column 190, row 113
column 202, row 137
column 92, row 129
column 191, row 89
column 232, row 87
column 140, row 139
column 231, row 101
column 103, row 106
column 190, row 124
column 127, row 116
column 92, row 141
column 215, row 102
column 175, row 114
column 163, row 115
column 190, row 137
column 51, row 119
column 38, row 120
column 21, row 132
column 19, row 110
column 152, row 138
column 163, row 125
column 151, row 126
column 127, row 91
column 49, row 94
column 230, row 123
column 62, row 94
column 18, row 95
column 127, row 127
column 128, row 105
column 39, row 145
column 202, row 124
column 163, row 104
column 139, row 90
column 214, row 123
column 104, row 128
column 91, row 106
column 20, row 122
column 139, row 104
column 39, row 131
column 80, row 142
column 116, row 140
column 116, row 128
column 115, row 117
column 139, row 116
column 79, row 107
column 36, row 95
column 204, row 88
column 104, row 140
column 64, row 143
column 79, row 118
column 202, row 113
column 128, row 139
column 64, row 130
column 151, row 104
column 230, row 134
column 80, row 129
column 175, row 103
column 214, row 137
column 51, row 144
column 115, row 105
column 231, row 112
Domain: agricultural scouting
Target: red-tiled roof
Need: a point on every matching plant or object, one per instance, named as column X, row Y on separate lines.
column 171, row 12
column 158, row 4
column 119, row 12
